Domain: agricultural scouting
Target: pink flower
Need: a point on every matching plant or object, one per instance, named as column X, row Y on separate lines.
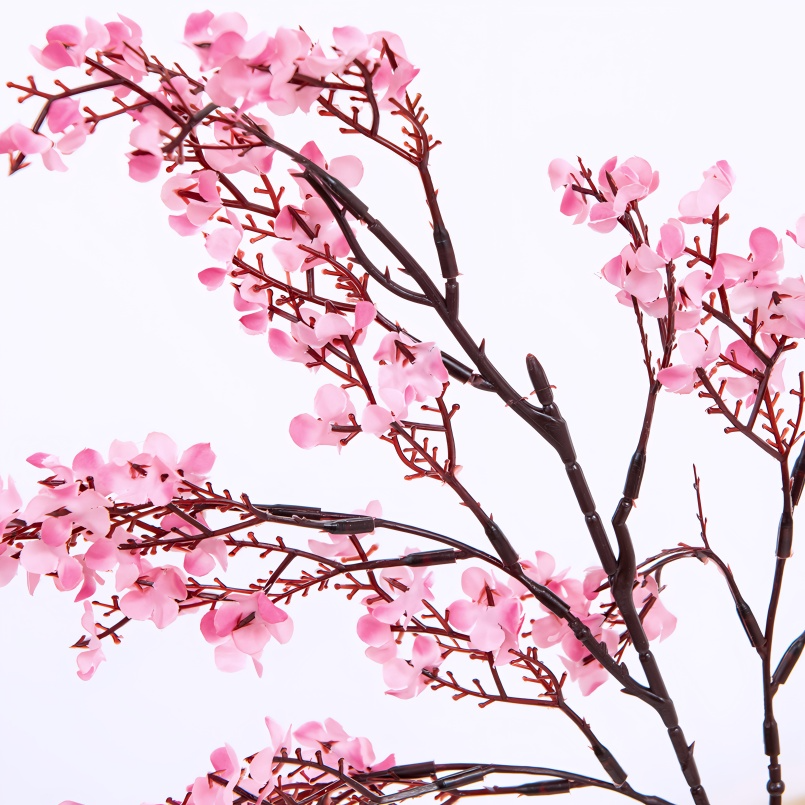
column 658, row 621
column 672, row 240
column 317, row 330
column 582, row 669
column 241, row 627
column 20, row 138
column 408, row 588
column 332, row 407
column 696, row 352
column 195, row 196
column 492, row 617
column 92, row 656
column 156, row 596
column 155, row 473
column 409, row 371
column 206, row 792
column 335, row 744
column 633, row 180
column 636, row 272
column 563, row 174
column 744, row 384
column 717, row 185
column 405, row 678
column 67, row 45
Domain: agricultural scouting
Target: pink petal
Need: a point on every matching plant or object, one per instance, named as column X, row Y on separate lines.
column 376, row 420
column 252, row 638
column 347, row 169
column 307, row 432
column 212, row 278
column 144, row 167
column 228, row 659
column 373, row 632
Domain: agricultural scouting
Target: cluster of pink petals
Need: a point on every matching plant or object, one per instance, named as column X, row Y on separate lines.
column 75, row 501
column 332, row 406
column 334, row 743
column 620, row 184
column 404, row 677
column 155, row 596
column 403, row 379
column 406, row 591
column 414, row 373
column 389, row 82
column 696, row 352
column 315, row 216
column 258, row 776
column 317, row 330
column 658, row 622
column 751, row 283
column 633, row 180
column 492, row 616
column 92, row 656
column 240, row 628
column 755, row 283
column 67, row 45
column 637, row 273
column 260, row 69
column 742, row 383
column 717, row 185
column 64, row 118
column 194, row 196
column 10, row 503
column 18, row 138
column 580, row 596
column 146, row 139
column 152, row 473
column 550, row 631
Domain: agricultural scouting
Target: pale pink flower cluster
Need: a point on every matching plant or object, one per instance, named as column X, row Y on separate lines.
column 293, row 225
column 750, row 283
column 493, row 615
column 409, row 371
column 406, row 589
column 75, row 501
column 67, row 46
column 240, row 628
column 259, row 69
column 550, row 631
column 258, row 776
column 633, row 180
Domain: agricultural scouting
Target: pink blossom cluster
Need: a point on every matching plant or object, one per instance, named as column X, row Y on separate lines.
column 257, row 776
column 752, row 283
column 261, row 69
column 77, row 499
column 492, row 615
column 580, row 596
column 67, row 46
column 408, row 371
column 240, row 628
column 405, row 591
column 79, row 546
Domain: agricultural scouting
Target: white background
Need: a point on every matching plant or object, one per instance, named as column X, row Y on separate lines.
column 106, row 333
